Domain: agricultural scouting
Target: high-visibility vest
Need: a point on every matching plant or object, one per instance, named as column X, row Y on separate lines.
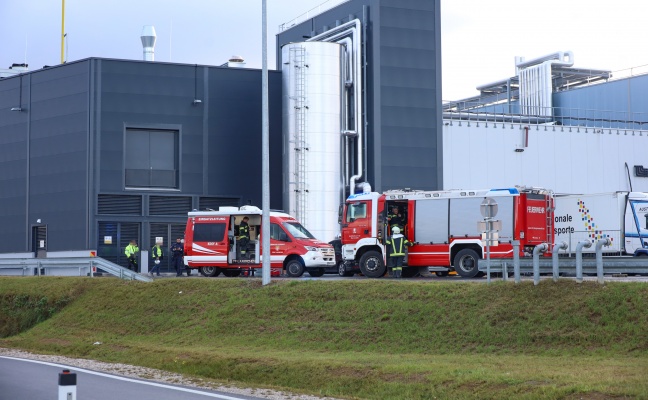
column 156, row 251
column 130, row 250
column 397, row 243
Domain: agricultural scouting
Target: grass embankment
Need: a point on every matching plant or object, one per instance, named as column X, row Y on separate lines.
column 373, row 339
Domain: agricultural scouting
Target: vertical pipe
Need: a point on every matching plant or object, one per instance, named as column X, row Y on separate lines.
column 541, row 248
column 265, row 143
column 599, row 258
column 516, row 260
column 554, row 259
column 579, row 259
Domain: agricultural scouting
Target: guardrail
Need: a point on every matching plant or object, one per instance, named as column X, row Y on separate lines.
column 68, row 266
column 574, row 266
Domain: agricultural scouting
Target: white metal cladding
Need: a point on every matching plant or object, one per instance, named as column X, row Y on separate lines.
column 565, row 159
column 312, row 173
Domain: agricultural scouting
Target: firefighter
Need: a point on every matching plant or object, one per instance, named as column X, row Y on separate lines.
column 156, row 255
column 396, row 246
column 243, row 237
column 178, row 257
column 395, row 219
column 131, row 253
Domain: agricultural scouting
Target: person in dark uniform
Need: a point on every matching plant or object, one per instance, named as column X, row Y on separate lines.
column 243, row 238
column 396, row 219
column 396, row 246
column 178, row 257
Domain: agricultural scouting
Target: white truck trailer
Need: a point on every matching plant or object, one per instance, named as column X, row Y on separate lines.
column 620, row 216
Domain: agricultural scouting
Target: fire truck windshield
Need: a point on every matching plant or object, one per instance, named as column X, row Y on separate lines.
column 298, row 231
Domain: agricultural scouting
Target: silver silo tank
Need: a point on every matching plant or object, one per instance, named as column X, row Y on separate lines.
column 312, row 95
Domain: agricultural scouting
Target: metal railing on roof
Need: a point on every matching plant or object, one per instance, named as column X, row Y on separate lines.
column 557, row 116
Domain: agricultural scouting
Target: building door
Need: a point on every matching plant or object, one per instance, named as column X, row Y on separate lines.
column 168, row 233
column 39, row 241
column 113, row 239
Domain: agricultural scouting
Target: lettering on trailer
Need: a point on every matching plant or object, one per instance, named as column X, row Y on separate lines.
column 563, row 219
column 640, row 171
column 589, row 225
column 211, row 219
column 535, row 210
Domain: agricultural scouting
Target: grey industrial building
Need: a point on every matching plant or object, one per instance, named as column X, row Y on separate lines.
column 96, row 152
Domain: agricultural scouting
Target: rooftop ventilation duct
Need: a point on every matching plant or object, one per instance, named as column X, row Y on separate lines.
column 236, row 62
column 148, row 42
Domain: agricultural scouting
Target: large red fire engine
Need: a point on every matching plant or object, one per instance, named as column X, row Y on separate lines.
column 211, row 244
column 443, row 225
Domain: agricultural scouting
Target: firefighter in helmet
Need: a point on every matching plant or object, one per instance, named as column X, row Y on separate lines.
column 243, row 237
column 396, row 246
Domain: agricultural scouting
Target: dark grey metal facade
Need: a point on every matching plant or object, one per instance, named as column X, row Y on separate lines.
column 63, row 156
column 403, row 86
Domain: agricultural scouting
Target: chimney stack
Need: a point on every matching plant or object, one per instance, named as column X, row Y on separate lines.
column 148, row 42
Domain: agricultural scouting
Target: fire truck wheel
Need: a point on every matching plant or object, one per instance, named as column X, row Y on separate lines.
column 210, row 271
column 294, row 268
column 342, row 271
column 466, row 263
column 372, row 265
column 316, row 273
column 231, row 273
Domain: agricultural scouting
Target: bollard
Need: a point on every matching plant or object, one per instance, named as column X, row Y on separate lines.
column 516, row 260
column 541, row 248
column 579, row 259
column 599, row 258
column 67, row 385
column 554, row 259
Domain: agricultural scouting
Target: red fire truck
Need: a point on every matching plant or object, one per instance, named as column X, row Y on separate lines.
column 443, row 225
column 211, row 244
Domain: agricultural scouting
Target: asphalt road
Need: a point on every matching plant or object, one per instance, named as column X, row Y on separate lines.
column 37, row 380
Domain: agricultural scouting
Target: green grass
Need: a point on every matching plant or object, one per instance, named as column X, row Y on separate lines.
column 368, row 339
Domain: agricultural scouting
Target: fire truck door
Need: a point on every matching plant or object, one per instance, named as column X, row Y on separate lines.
column 357, row 221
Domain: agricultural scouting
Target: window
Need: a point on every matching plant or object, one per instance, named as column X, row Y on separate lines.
column 276, row 233
column 355, row 211
column 152, row 158
column 209, row 232
column 297, row 230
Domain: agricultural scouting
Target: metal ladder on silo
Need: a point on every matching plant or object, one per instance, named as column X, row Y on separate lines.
column 299, row 139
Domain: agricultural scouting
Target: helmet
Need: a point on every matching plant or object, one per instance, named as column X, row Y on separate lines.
column 395, row 229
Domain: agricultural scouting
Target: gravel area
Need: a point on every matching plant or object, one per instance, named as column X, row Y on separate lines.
column 157, row 375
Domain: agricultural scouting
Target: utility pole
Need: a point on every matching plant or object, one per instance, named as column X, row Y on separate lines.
column 62, row 31
column 265, row 143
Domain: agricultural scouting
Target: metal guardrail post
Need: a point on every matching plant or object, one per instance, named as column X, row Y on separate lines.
column 541, row 248
column 579, row 259
column 599, row 258
column 554, row 259
column 92, row 269
column 504, row 272
column 516, row 260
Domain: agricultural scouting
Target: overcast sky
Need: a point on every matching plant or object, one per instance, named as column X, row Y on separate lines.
column 480, row 38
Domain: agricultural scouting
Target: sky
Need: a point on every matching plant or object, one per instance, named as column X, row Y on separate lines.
column 480, row 38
